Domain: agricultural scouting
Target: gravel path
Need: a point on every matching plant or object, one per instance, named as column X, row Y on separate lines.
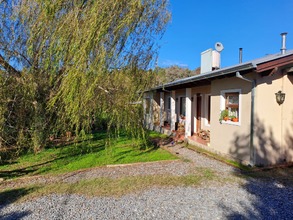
column 252, row 199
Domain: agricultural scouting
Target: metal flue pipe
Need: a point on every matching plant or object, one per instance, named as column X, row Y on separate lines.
column 283, row 49
column 240, row 55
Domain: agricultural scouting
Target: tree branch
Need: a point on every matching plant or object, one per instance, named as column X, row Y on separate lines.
column 9, row 68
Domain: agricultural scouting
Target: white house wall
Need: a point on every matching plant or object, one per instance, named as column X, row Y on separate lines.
column 274, row 122
column 230, row 138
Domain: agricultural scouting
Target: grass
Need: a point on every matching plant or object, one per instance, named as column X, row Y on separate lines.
column 108, row 186
column 219, row 157
column 90, row 153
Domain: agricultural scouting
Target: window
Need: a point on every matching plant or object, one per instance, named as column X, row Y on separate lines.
column 232, row 104
column 169, row 103
column 230, row 101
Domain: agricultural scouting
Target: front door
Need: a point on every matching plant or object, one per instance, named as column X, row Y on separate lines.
column 198, row 113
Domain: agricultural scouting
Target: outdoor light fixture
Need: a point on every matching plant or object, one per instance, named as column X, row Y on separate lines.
column 280, row 97
column 176, row 99
column 192, row 99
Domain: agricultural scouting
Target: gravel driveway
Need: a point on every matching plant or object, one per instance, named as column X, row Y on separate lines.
column 249, row 199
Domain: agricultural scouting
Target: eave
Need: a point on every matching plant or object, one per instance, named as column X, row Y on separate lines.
column 275, row 64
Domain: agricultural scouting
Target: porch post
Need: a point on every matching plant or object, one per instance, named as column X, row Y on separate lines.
column 151, row 117
column 173, row 115
column 188, row 113
column 162, row 108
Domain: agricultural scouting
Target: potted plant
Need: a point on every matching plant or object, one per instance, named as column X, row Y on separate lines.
column 224, row 115
column 234, row 119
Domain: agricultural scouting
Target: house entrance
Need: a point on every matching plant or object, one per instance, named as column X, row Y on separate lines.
column 198, row 113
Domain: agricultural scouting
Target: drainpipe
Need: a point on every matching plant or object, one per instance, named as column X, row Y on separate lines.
column 251, row 146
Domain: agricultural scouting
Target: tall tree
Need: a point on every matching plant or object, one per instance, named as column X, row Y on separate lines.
column 64, row 62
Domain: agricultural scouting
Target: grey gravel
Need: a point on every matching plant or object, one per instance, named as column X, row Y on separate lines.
column 248, row 199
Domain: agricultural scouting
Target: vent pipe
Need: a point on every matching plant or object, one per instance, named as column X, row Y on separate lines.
column 240, row 55
column 283, row 49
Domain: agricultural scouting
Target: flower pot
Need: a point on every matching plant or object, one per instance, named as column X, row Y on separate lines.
column 235, row 119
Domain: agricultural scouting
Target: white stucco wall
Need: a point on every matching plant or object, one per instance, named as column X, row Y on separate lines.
column 232, row 139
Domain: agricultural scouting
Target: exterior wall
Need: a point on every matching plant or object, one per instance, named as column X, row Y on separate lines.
column 156, row 108
column 273, row 122
column 287, row 130
column 232, row 139
column 147, row 108
column 167, row 107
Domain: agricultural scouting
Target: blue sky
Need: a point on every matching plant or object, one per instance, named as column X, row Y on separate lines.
column 196, row 25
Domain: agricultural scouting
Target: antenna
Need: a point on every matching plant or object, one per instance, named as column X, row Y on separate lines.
column 219, row 46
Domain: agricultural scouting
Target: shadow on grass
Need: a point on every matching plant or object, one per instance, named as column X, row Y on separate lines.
column 64, row 157
column 10, row 196
column 59, row 156
column 23, row 171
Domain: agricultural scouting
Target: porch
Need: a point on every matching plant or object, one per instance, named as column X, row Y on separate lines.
column 183, row 113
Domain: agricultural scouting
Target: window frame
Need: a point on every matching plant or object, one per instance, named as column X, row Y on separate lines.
column 223, row 104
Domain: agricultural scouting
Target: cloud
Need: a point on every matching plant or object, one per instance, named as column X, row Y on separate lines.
column 166, row 63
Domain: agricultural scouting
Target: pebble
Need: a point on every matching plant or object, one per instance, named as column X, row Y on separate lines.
column 254, row 200
column 250, row 199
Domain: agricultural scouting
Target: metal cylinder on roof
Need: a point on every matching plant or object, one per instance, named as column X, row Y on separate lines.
column 240, row 54
column 283, row 49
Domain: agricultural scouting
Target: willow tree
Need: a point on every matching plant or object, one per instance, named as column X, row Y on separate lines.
column 65, row 62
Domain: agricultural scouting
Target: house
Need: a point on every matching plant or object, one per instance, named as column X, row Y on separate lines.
column 259, row 96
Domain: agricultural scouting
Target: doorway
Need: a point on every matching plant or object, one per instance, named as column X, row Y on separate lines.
column 198, row 113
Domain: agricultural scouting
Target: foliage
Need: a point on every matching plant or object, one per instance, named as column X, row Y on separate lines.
column 172, row 73
column 224, row 114
column 67, row 64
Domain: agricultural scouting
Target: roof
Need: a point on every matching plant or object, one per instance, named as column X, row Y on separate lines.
column 225, row 71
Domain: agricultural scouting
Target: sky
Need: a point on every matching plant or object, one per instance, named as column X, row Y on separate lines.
column 196, row 25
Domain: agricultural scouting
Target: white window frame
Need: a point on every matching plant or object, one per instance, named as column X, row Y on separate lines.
column 222, row 105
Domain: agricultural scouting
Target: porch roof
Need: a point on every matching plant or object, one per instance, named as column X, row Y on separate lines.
column 206, row 78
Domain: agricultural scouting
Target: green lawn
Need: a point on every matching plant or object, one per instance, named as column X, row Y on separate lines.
column 87, row 154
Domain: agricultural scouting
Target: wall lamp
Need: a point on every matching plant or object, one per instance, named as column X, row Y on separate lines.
column 280, row 97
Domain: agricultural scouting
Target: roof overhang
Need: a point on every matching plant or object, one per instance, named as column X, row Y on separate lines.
column 205, row 78
column 267, row 65
column 275, row 64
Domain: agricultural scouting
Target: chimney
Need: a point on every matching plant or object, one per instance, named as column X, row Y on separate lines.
column 211, row 59
column 283, row 49
column 240, row 55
